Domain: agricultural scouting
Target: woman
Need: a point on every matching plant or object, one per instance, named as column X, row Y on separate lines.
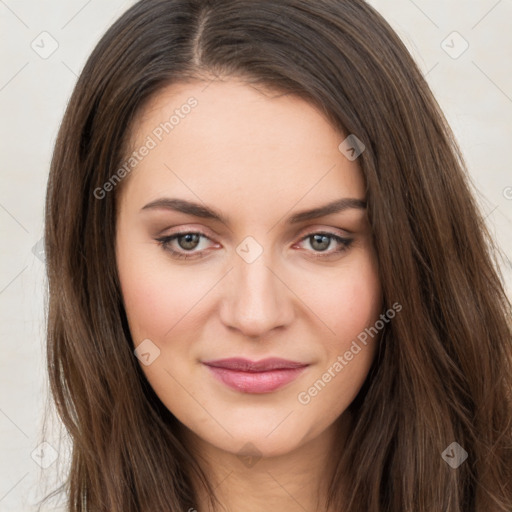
column 270, row 285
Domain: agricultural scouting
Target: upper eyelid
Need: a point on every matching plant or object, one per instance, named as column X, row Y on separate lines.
column 302, row 232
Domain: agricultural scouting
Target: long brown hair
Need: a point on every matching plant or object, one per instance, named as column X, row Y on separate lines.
column 443, row 372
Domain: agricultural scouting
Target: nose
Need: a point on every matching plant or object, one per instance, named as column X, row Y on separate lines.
column 256, row 298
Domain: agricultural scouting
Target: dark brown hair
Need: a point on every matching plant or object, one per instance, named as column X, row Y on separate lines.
column 443, row 372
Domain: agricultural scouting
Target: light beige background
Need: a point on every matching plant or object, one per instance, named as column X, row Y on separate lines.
column 474, row 90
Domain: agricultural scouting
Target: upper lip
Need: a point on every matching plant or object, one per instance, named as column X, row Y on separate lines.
column 246, row 365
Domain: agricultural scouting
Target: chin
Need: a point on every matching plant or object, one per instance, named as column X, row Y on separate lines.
column 256, row 439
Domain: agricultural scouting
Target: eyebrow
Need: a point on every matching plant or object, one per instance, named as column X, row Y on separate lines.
column 199, row 210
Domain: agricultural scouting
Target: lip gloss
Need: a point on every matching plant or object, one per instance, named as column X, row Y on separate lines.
column 256, row 381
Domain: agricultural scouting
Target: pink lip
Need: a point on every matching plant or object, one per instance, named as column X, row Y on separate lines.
column 262, row 376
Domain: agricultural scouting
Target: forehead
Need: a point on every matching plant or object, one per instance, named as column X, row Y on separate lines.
column 223, row 140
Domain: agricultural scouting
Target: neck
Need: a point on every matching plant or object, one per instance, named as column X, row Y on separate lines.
column 292, row 482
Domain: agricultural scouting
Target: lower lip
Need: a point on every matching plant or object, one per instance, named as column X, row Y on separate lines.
column 256, row 382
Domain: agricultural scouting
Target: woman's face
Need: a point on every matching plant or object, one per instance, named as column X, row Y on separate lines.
column 251, row 277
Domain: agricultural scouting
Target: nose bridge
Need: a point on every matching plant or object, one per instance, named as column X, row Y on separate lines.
column 257, row 300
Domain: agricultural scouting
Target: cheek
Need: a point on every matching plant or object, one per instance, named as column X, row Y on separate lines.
column 156, row 296
column 359, row 304
column 347, row 302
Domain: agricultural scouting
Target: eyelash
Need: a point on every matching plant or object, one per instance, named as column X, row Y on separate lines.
column 164, row 242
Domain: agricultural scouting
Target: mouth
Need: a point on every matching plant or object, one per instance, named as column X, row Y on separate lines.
column 263, row 376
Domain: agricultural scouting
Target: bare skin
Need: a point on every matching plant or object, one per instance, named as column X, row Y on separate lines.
column 257, row 159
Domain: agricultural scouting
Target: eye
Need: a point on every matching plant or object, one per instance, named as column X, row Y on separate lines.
column 321, row 241
column 189, row 241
